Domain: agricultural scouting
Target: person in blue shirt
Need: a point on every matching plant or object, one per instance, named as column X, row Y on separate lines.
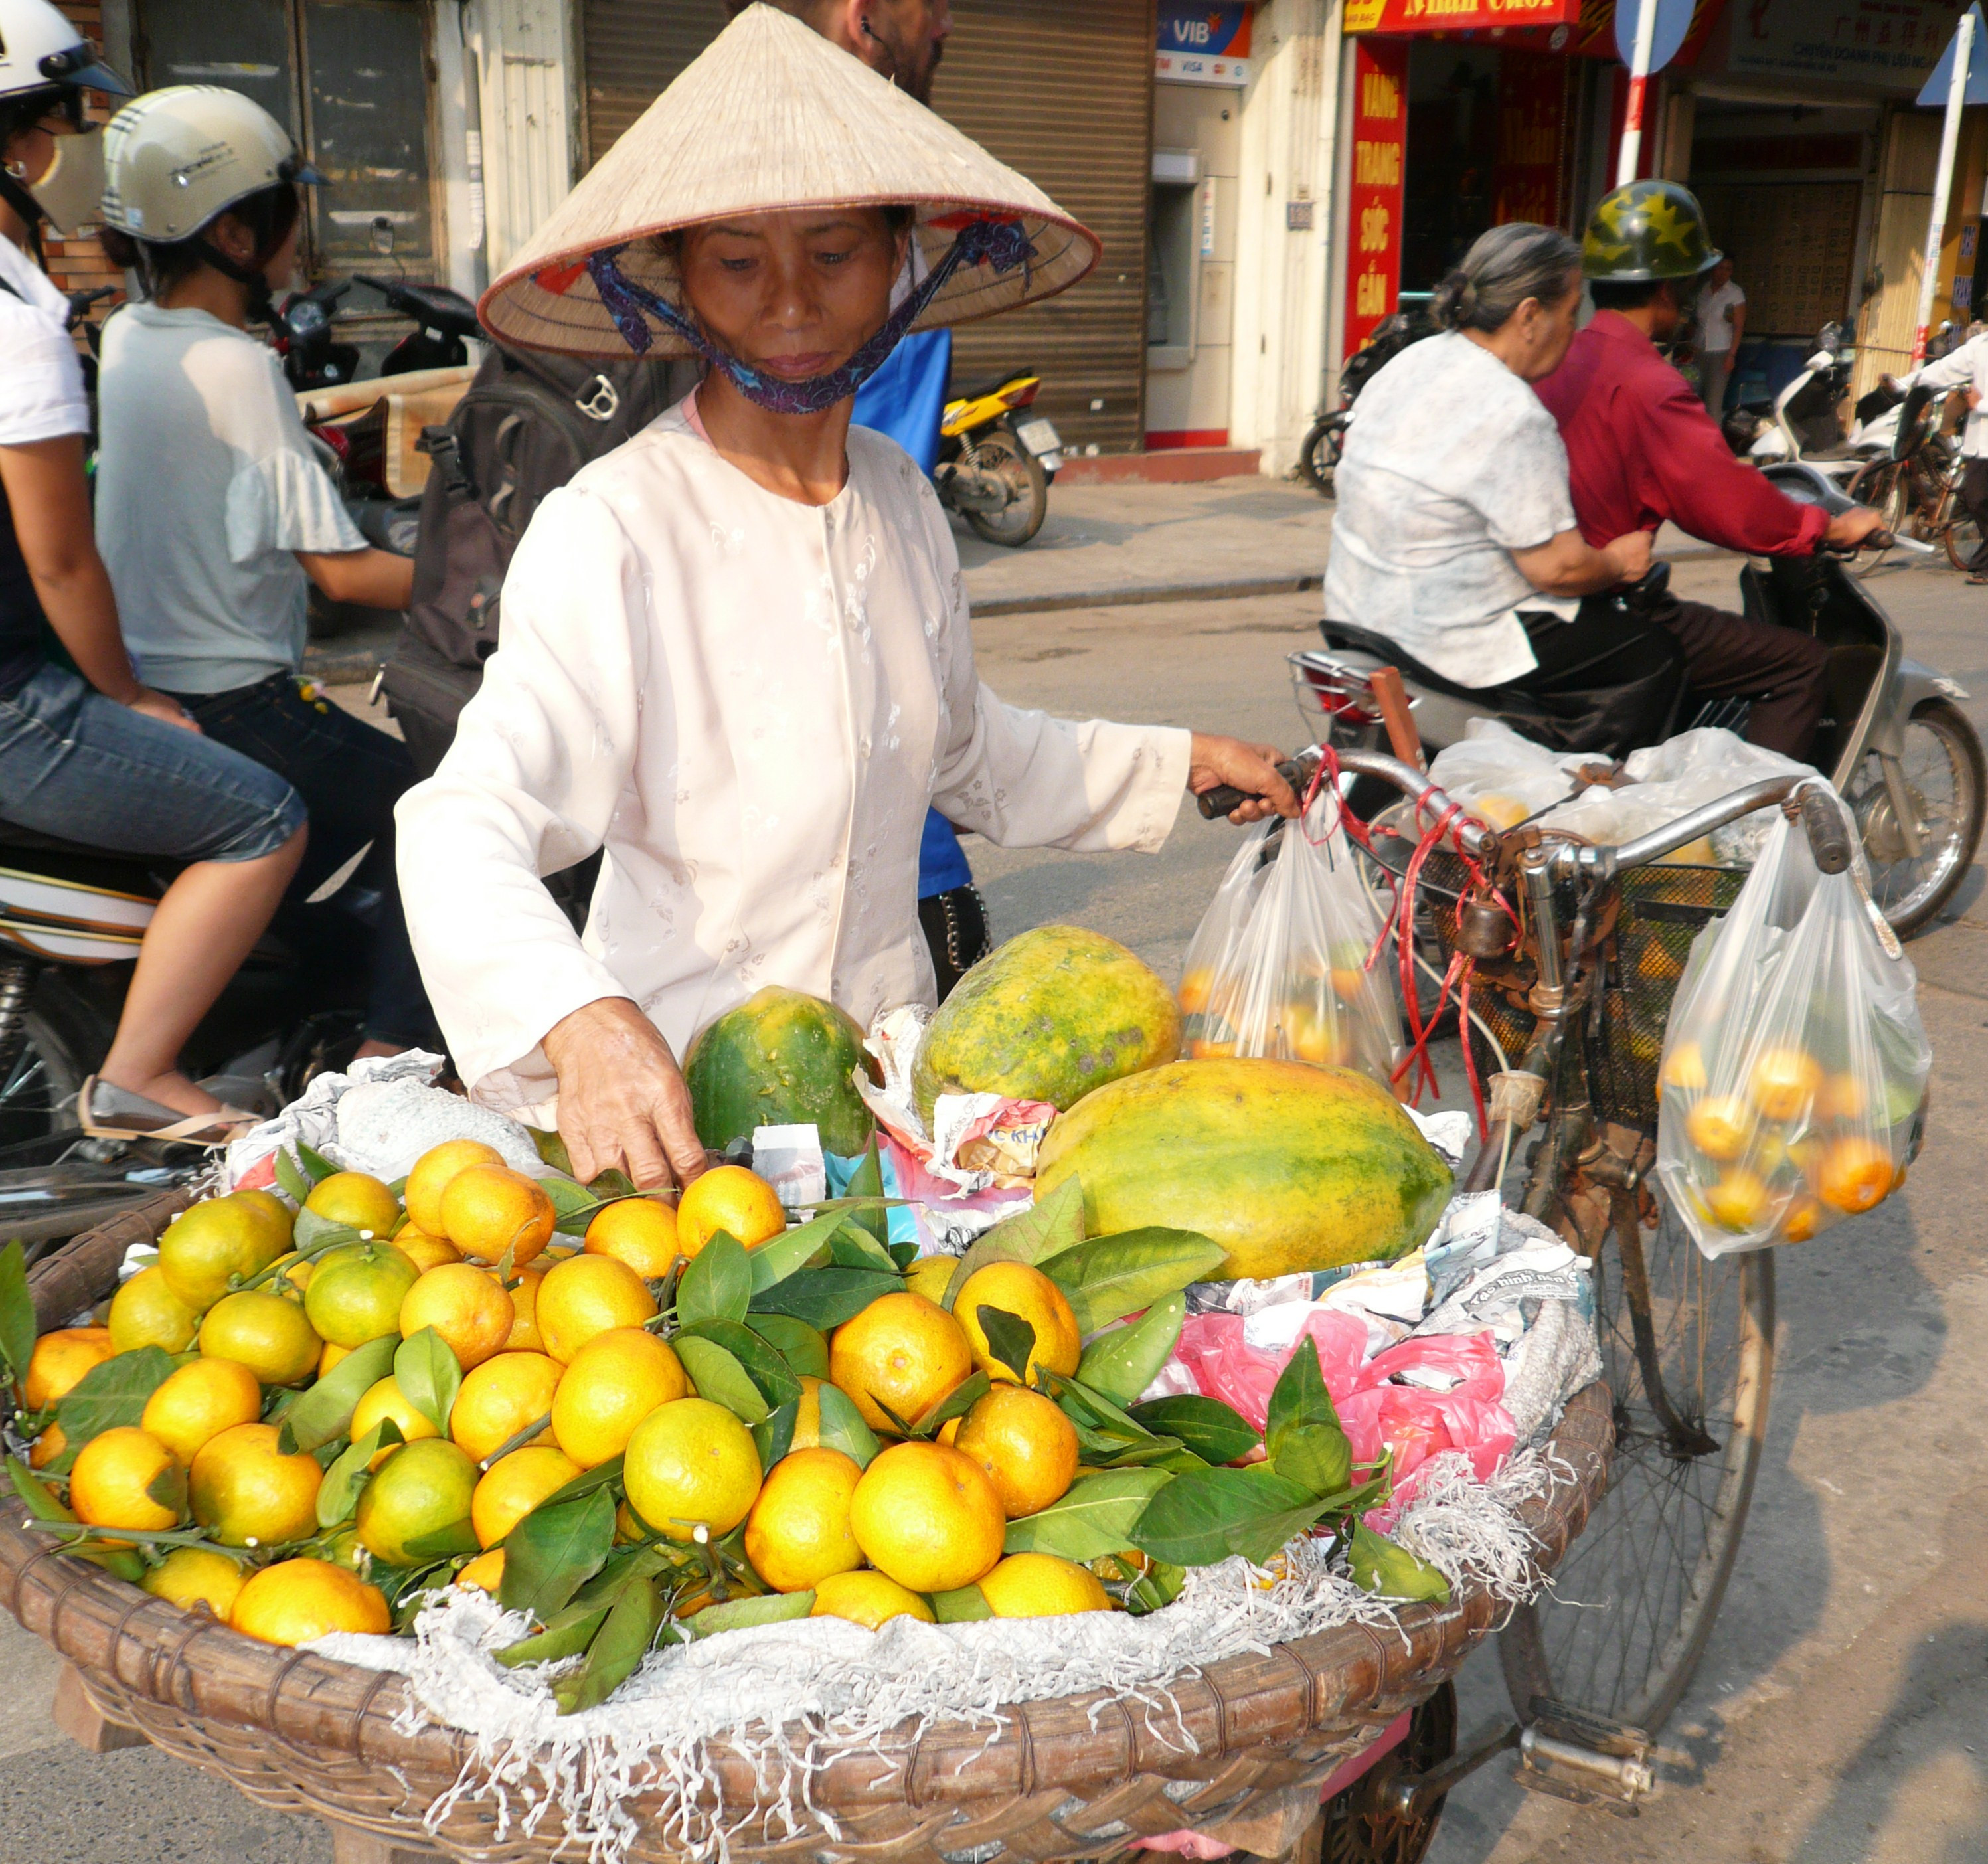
column 951, row 911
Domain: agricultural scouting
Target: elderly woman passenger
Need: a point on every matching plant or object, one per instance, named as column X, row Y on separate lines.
column 1454, row 538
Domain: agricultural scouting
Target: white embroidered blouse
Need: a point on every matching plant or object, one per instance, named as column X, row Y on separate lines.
column 749, row 703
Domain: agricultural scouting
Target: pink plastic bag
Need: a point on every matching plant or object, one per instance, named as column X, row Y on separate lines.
column 1412, row 1420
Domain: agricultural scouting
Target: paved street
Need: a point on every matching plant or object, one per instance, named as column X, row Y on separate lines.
column 1838, row 1714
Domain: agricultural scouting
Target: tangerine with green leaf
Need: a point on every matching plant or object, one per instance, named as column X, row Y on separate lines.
column 355, row 1292
column 219, row 1240
column 245, row 1492
column 357, row 1199
column 417, row 1497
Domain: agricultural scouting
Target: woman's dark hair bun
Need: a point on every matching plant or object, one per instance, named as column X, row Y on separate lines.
column 1454, row 302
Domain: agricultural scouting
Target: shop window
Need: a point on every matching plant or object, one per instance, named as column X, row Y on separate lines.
column 349, row 79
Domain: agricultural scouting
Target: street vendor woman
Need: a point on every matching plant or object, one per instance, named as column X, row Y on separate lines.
column 735, row 653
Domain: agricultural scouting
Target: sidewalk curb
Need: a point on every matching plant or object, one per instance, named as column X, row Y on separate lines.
column 1127, row 598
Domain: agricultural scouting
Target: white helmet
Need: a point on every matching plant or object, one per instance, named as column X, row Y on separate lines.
column 41, row 51
column 175, row 158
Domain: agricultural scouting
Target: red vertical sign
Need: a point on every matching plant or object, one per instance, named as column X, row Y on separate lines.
column 1373, row 219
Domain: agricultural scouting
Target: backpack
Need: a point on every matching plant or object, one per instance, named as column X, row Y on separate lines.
column 527, row 423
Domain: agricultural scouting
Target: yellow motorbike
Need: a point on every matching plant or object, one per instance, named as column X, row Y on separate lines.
column 994, row 469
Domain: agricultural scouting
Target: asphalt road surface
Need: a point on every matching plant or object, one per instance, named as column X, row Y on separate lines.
column 1842, row 1713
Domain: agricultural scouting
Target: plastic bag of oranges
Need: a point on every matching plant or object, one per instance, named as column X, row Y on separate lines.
column 1278, row 967
column 1793, row 1079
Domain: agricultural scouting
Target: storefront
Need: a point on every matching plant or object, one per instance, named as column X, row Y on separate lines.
column 1467, row 114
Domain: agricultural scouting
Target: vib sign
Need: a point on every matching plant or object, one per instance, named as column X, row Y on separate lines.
column 1204, row 41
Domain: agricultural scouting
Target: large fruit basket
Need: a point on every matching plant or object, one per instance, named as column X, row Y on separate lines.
column 1083, row 1776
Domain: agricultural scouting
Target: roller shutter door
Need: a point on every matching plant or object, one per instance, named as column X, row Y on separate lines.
column 1062, row 91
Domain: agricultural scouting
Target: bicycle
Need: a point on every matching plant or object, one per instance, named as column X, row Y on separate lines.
column 1574, row 952
column 1917, row 487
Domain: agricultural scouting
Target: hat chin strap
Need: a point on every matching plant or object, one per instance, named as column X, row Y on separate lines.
column 260, row 295
column 999, row 243
column 32, row 213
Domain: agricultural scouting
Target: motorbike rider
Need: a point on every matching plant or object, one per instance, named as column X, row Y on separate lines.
column 1642, row 449
column 904, row 40
column 101, row 760
column 212, row 508
column 1454, row 540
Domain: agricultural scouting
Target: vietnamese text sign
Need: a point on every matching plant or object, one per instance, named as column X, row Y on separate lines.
column 1456, row 15
column 1373, row 201
column 1891, row 44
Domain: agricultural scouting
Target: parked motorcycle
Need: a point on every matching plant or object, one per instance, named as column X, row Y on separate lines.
column 994, row 469
column 1318, row 459
column 1804, row 420
column 1894, row 741
column 301, row 333
column 444, row 325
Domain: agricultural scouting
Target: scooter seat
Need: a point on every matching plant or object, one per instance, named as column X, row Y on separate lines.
column 1344, row 635
column 30, row 850
column 987, row 385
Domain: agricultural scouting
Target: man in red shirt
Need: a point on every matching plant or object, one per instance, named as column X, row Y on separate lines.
column 1641, row 449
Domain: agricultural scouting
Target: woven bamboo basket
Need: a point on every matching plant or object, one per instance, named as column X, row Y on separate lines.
column 1079, row 1776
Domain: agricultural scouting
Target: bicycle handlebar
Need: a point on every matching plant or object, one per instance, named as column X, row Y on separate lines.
column 1822, row 817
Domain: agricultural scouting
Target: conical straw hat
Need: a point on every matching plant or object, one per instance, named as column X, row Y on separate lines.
column 773, row 116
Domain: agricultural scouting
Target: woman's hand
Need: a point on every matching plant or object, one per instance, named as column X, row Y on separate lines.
column 167, row 712
column 1212, row 762
column 622, row 1101
column 1629, row 555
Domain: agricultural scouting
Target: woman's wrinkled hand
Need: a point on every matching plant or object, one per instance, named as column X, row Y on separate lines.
column 622, row 1101
column 1213, row 761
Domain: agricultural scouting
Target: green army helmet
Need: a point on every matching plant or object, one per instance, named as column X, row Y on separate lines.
column 1647, row 231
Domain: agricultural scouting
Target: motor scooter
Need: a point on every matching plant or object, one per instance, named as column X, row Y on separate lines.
column 994, row 470
column 1893, row 740
column 444, row 325
column 1804, row 421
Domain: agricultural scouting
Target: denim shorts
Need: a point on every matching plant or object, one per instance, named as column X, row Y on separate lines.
column 76, row 764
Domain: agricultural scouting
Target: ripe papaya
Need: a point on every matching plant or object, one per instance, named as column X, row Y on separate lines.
column 1287, row 1166
column 780, row 1058
column 1050, row 1016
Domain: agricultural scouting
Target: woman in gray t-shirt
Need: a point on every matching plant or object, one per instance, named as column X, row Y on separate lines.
column 1455, row 537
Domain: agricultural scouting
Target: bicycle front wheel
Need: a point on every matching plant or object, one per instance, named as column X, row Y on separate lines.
column 1687, row 1349
column 1885, row 485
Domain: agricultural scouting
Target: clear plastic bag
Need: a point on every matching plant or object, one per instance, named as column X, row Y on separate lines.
column 1794, row 1072
column 1278, row 967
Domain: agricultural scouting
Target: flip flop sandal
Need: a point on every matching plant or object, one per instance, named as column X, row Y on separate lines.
column 107, row 1112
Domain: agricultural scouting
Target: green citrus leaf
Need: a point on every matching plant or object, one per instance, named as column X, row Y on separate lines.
column 805, row 1348
column 112, row 1395
column 956, row 1403
column 1160, row 1584
column 779, row 1257
column 444, row 1543
column 718, row 1284
column 867, row 1181
column 1111, row 1276
column 773, row 1436
column 763, row 1364
column 338, row 1494
column 314, row 1231
column 549, row 1646
column 1206, row 1425
column 429, row 1374
column 853, row 1247
column 1380, row 1565
column 1010, row 1339
column 1298, row 1399
column 720, row 1378
column 323, row 1413
column 315, row 1163
column 1316, row 1455
column 623, row 1641
column 826, row 1297
column 966, row 1606
column 1095, row 1517
column 291, row 1179
column 599, row 1477
column 168, row 1488
column 554, row 1550
column 17, row 1313
column 1206, row 1515
column 842, row 1427
column 1121, row 1361
column 741, row 1614
column 1045, row 1229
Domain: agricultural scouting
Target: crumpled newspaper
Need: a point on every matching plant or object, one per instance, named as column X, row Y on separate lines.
column 379, row 1118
